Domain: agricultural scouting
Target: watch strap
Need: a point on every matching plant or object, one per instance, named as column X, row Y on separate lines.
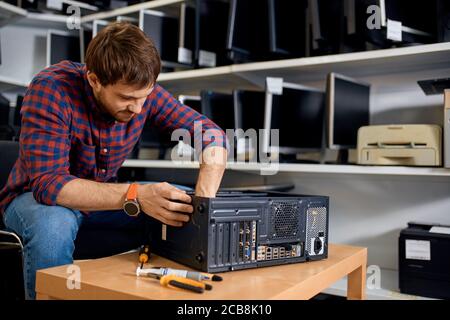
column 132, row 192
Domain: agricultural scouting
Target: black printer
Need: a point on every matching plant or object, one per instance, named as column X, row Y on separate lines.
column 424, row 260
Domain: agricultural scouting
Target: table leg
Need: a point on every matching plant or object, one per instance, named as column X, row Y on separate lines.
column 356, row 284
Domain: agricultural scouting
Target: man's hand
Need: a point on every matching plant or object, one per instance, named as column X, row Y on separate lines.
column 157, row 201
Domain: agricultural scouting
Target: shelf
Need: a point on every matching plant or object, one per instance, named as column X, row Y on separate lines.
column 130, row 9
column 192, row 81
column 10, row 13
column 358, row 64
column 13, row 82
column 388, row 288
column 12, row 85
column 299, row 168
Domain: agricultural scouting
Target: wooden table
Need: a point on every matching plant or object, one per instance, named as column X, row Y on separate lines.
column 114, row 278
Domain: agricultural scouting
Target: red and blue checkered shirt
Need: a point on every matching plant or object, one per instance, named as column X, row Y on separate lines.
column 64, row 134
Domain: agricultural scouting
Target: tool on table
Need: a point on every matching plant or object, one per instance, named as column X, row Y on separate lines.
column 173, row 281
column 194, row 275
column 144, row 254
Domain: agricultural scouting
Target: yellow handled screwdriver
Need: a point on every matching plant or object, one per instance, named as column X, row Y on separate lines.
column 173, row 281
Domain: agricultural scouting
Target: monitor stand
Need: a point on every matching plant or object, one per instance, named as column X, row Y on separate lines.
column 342, row 157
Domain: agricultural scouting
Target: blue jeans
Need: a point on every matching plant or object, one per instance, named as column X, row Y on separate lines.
column 49, row 233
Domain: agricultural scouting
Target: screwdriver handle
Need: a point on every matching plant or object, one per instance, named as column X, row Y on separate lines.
column 181, row 285
column 144, row 254
column 188, row 284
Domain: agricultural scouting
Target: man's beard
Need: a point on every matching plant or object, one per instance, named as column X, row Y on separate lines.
column 101, row 105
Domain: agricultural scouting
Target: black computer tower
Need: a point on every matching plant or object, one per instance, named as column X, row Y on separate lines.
column 240, row 230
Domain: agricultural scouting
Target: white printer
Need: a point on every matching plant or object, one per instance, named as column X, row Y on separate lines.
column 403, row 145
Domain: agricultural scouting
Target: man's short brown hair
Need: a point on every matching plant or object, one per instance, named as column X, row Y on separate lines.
column 122, row 52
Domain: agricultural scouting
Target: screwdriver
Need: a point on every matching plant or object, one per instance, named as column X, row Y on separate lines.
column 173, row 281
column 198, row 276
column 144, row 254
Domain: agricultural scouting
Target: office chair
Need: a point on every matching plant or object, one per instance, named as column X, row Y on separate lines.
column 6, row 131
column 11, row 247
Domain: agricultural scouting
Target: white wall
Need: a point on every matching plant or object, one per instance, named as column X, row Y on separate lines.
column 23, row 51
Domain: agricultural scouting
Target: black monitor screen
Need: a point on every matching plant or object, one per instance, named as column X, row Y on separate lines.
column 163, row 31
column 250, row 109
column 193, row 104
column 248, row 31
column 327, row 19
column 4, row 110
column 212, row 24
column 151, row 137
column 86, row 37
column 64, row 47
column 19, row 102
column 219, row 108
column 413, row 14
column 299, row 115
column 187, row 27
column 239, row 27
column 287, row 25
column 351, row 111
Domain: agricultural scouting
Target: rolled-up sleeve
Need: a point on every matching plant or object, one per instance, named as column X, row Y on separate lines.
column 168, row 114
column 45, row 140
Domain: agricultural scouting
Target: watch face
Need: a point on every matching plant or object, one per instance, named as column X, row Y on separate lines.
column 131, row 208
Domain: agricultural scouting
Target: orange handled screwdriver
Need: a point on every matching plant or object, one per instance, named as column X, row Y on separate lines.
column 173, row 281
column 144, row 254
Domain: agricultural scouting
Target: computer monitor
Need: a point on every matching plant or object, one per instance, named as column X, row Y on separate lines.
column 356, row 35
column 239, row 34
column 4, row 110
column 98, row 25
column 85, row 39
column 219, row 108
column 163, row 30
column 417, row 17
column 288, row 27
column 17, row 119
column 153, row 138
column 299, row 115
column 211, row 20
column 193, row 102
column 348, row 109
column 326, row 22
column 249, row 109
column 248, row 31
column 62, row 45
column 6, row 131
column 186, row 45
column 249, row 114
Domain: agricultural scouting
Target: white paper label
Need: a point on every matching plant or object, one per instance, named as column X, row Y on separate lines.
column 444, row 230
column 274, row 85
column 206, row 58
column 394, row 30
column 418, row 250
column 184, row 55
column 55, row 4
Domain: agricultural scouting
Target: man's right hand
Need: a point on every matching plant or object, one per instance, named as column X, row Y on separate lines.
column 157, row 201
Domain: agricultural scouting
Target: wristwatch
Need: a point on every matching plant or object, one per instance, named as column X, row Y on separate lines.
column 131, row 205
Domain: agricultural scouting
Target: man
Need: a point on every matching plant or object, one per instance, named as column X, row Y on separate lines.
column 79, row 123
